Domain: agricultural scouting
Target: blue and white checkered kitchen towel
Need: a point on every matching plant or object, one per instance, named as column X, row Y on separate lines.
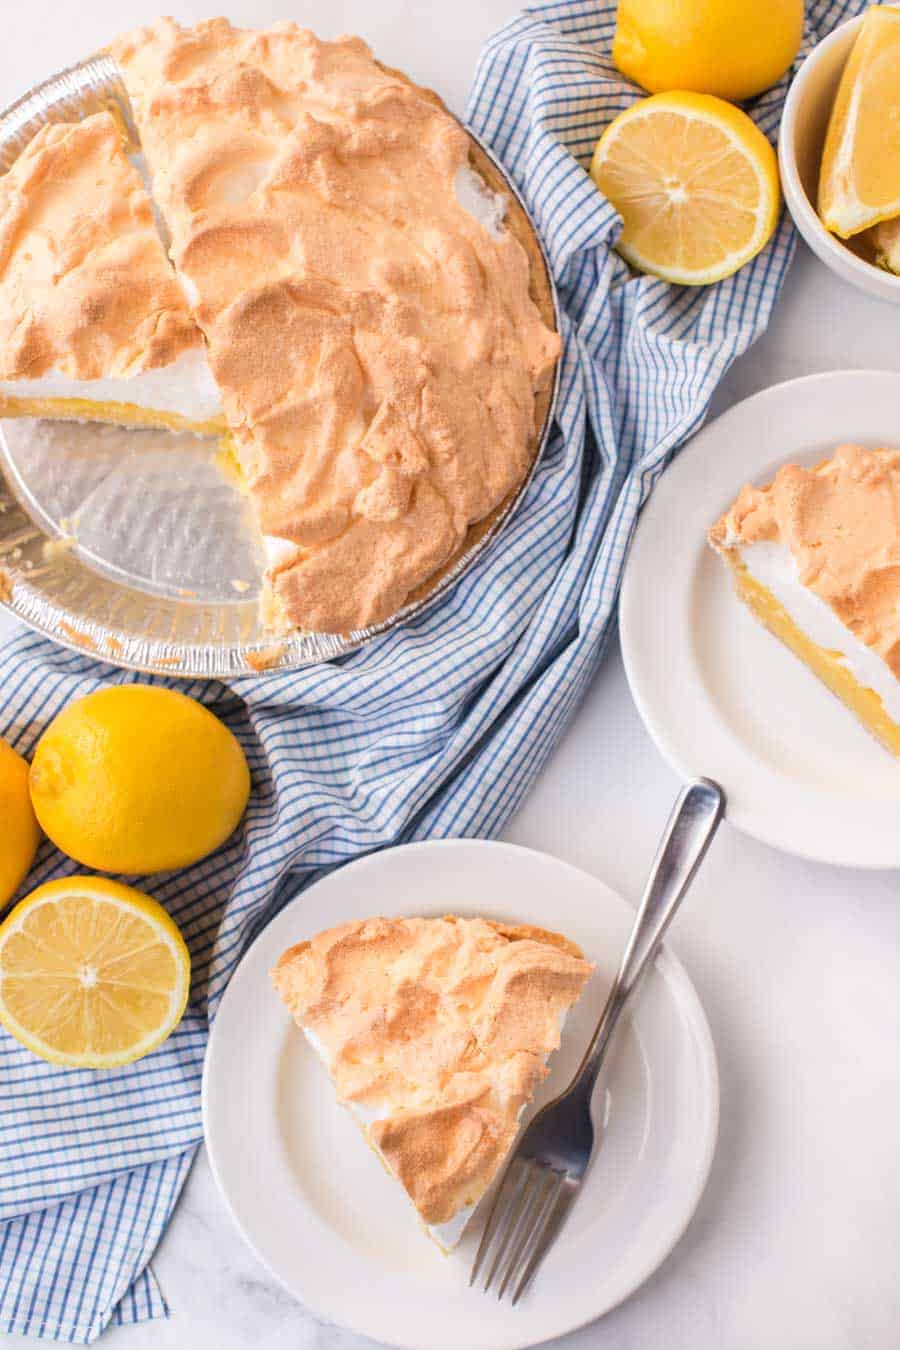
column 434, row 730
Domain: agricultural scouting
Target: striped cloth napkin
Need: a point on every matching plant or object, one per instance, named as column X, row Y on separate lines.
column 434, row 730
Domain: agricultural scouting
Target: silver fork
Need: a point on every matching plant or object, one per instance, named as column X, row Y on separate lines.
column 544, row 1174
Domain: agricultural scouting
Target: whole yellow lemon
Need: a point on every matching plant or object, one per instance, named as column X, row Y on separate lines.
column 732, row 48
column 138, row 779
column 19, row 833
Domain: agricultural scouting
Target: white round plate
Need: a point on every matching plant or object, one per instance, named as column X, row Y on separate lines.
column 315, row 1203
column 718, row 694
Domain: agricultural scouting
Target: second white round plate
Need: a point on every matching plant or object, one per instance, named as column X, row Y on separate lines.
column 319, row 1209
column 719, row 694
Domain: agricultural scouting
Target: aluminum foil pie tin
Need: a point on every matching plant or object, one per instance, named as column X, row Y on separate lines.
column 131, row 545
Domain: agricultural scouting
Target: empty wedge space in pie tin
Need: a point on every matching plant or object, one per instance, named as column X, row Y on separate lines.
column 132, row 545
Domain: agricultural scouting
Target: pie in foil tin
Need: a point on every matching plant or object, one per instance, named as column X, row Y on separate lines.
column 133, row 545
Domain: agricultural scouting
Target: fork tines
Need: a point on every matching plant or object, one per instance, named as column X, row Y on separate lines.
column 528, row 1208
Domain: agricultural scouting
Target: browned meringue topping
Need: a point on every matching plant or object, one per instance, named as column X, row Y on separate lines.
column 841, row 522
column 85, row 286
column 377, row 347
column 442, row 1026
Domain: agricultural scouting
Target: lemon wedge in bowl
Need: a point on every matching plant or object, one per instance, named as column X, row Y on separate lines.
column 93, row 974
column 859, row 181
column 884, row 239
column 696, row 184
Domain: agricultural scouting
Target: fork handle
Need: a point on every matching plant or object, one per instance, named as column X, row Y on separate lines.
column 694, row 820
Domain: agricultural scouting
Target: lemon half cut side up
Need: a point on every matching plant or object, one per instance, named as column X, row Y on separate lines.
column 696, row 183
column 93, row 974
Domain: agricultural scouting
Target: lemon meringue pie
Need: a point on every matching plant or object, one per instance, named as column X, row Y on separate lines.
column 351, row 299
column 436, row 1033
column 93, row 322
column 378, row 317
column 816, row 556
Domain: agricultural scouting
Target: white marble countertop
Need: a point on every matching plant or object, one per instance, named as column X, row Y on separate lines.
column 794, row 1244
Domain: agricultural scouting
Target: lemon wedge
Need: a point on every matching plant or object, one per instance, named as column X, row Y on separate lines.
column 93, row 974
column 859, row 181
column 885, row 240
column 696, row 183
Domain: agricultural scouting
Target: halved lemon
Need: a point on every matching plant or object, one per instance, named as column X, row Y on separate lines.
column 696, row 183
column 93, row 974
column 859, row 182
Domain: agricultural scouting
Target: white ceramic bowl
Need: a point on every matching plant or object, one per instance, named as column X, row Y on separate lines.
column 802, row 136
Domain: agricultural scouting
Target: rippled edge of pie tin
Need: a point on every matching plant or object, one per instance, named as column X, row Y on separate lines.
column 185, row 638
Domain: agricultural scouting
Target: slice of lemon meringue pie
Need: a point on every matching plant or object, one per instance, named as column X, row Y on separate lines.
column 816, row 556
column 378, row 318
column 436, row 1033
column 94, row 325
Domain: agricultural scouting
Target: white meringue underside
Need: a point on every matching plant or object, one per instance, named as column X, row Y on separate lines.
column 772, row 565
column 186, row 388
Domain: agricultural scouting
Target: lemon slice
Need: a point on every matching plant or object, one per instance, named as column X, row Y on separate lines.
column 93, row 974
column 696, row 183
column 859, row 182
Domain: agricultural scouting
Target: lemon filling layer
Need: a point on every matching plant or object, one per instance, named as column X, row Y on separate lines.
column 767, row 581
column 181, row 396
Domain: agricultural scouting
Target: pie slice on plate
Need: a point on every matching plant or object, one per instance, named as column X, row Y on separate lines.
column 94, row 325
column 816, row 556
column 436, row 1033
